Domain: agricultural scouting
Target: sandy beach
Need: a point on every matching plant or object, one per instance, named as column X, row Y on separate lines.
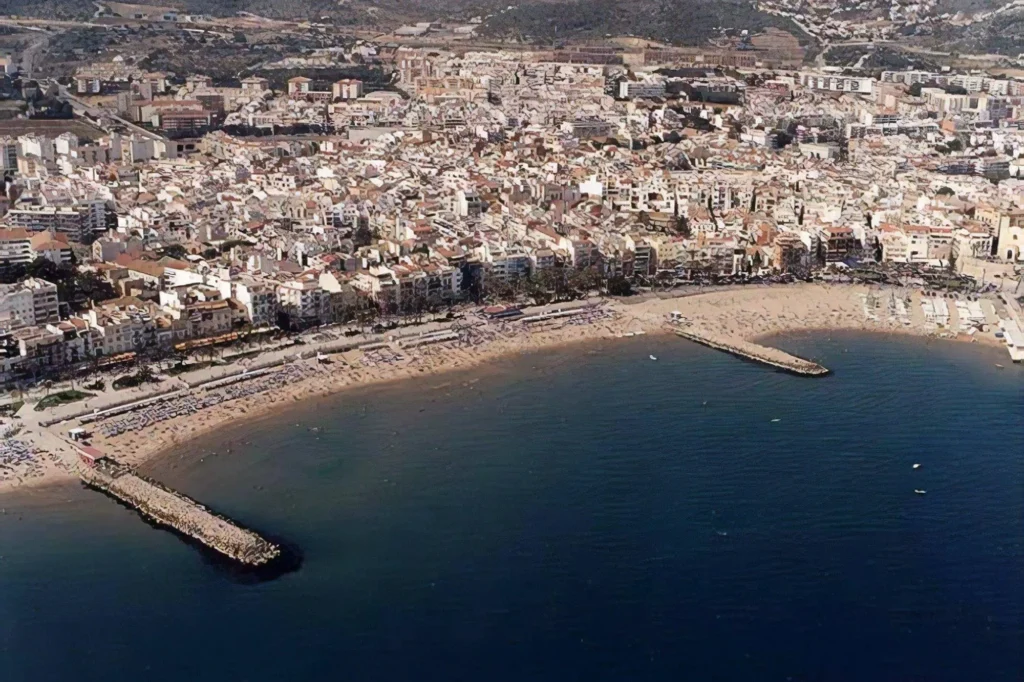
column 742, row 314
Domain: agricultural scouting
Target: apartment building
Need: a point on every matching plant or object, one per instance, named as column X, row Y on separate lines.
column 837, row 83
column 837, row 244
column 347, row 89
column 31, row 302
column 80, row 223
column 509, row 266
column 641, row 89
column 259, row 299
column 8, row 154
column 255, row 85
column 182, row 122
column 299, row 86
column 121, row 327
column 208, row 318
column 303, row 301
column 15, row 247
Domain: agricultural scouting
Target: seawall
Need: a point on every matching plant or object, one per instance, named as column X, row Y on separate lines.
column 180, row 513
column 757, row 353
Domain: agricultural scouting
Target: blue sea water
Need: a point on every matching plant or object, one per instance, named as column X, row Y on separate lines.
column 577, row 514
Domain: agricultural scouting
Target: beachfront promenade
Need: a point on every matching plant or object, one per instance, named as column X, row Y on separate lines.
column 139, row 422
column 180, row 513
column 269, row 357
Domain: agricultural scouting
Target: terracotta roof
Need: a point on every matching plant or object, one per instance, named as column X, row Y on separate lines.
column 14, row 234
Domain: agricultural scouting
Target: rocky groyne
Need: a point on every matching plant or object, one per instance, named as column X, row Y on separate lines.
column 169, row 508
column 756, row 353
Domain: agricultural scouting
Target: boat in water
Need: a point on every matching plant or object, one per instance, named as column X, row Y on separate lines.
column 920, row 492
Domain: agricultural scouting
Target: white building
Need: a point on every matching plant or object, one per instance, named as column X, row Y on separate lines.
column 8, row 154
column 468, row 203
column 254, row 85
column 1011, row 236
column 837, row 83
column 347, row 89
column 81, row 222
column 29, row 303
column 303, row 299
column 260, row 299
column 641, row 89
column 15, row 247
column 507, row 266
column 121, row 330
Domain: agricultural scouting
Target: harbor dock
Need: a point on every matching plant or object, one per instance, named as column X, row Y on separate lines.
column 182, row 514
column 757, row 353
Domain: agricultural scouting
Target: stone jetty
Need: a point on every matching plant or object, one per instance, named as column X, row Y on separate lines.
column 758, row 353
column 180, row 513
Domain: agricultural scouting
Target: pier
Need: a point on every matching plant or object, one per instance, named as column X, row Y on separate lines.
column 182, row 514
column 757, row 353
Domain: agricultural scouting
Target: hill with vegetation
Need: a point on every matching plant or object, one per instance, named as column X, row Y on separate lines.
column 676, row 21
column 1002, row 33
column 48, row 9
column 989, row 25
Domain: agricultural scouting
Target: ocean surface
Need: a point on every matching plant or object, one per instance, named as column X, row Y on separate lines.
column 577, row 514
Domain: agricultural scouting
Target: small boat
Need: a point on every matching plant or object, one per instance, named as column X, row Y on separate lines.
column 917, row 466
column 653, row 358
column 776, row 420
column 920, row 492
column 999, row 366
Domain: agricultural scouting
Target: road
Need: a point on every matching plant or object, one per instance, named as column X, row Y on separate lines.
column 30, row 55
column 97, row 113
column 31, row 52
column 902, row 47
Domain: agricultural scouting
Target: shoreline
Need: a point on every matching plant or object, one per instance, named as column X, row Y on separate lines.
column 753, row 315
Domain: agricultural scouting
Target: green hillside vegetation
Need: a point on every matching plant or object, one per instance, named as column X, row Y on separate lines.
column 686, row 22
column 1001, row 34
column 48, row 9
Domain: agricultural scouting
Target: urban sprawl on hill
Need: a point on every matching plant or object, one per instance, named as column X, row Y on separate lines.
column 363, row 179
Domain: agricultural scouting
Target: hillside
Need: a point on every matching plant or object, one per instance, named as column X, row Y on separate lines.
column 675, row 21
column 1001, row 33
column 683, row 20
column 981, row 25
column 49, row 9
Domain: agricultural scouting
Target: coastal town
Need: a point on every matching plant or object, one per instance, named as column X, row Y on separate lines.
column 177, row 252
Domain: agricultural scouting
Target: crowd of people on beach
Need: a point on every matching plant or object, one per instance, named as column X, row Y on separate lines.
column 18, row 459
column 380, row 356
column 476, row 332
column 194, row 402
column 461, row 338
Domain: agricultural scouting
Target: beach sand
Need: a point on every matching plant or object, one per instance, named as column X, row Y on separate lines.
column 746, row 313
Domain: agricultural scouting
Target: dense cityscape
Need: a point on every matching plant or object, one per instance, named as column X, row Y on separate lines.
column 483, row 176
column 154, row 223
column 555, row 340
